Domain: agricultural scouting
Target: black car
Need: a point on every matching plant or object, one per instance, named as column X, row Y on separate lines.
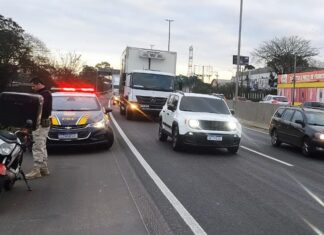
column 302, row 127
column 79, row 119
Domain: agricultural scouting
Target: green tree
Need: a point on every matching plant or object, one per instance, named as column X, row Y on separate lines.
column 103, row 65
column 15, row 54
column 279, row 54
column 89, row 74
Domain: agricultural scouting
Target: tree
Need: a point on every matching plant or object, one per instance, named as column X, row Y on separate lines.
column 67, row 66
column 279, row 54
column 103, row 65
column 89, row 74
column 14, row 52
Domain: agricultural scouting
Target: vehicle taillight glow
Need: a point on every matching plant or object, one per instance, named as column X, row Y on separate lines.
column 87, row 89
column 68, row 89
column 274, row 102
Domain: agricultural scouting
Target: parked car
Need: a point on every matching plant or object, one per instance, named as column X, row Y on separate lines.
column 78, row 119
column 301, row 127
column 313, row 105
column 199, row 120
column 275, row 99
column 222, row 96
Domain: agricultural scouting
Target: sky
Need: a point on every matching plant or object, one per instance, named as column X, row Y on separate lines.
column 100, row 30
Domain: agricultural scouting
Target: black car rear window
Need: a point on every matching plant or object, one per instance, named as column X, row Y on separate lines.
column 203, row 104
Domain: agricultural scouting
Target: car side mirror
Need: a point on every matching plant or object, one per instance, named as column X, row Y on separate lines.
column 171, row 107
column 300, row 122
column 108, row 110
column 232, row 111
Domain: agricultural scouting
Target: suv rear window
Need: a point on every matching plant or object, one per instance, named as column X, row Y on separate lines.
column 204, row 105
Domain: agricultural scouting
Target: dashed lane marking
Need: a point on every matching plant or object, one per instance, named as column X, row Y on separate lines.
column 266, row 156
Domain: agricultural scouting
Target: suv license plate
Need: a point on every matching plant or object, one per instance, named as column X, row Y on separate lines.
column 214, row 138
column 67, row 136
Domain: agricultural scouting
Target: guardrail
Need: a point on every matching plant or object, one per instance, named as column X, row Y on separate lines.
column 253, row 113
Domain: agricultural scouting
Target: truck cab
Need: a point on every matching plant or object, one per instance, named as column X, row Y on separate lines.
column 145, row 92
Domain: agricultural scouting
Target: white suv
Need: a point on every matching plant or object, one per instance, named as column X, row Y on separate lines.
column 199, row 120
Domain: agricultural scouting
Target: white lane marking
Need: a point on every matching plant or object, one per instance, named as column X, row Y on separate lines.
column 315, row 229
column 310, row 193
column 182, row 211
column 266, row 156
column 251, row 129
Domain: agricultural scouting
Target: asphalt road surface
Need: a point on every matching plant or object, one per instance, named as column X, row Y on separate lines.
column 260, row 190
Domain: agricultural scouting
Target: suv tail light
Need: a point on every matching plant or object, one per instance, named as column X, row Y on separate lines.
column 274, row 102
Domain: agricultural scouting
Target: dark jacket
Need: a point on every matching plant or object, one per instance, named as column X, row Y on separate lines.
column 47, row 105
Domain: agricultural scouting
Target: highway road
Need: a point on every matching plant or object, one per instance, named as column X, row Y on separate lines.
column 141, row 186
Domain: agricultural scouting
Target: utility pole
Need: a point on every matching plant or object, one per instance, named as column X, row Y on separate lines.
column 294, row 82
column 169, row 32
column 238, row 53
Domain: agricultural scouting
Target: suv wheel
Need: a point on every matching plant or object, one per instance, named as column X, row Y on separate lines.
column 162, row 136
column 307, row 148
column 233, row 149
column 274, row 139
column 176, row 141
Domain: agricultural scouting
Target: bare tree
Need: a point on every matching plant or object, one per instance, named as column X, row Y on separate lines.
column 67, row 66
column 279, row 53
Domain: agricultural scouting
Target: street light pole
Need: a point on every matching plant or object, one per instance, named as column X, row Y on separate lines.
column 294, row 82
column 238, row 53
column 169, row 32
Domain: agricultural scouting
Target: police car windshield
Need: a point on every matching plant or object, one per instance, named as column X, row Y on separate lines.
column 75, row 103
column 204, row 105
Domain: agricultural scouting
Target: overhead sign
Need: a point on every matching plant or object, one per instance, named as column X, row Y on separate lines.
column 244, row 60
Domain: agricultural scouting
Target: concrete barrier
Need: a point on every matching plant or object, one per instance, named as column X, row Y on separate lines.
column 253, row 113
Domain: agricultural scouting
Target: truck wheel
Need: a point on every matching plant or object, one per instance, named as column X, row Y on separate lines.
column 129, row 114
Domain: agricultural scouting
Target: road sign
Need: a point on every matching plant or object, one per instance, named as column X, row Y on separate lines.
column 244, row 60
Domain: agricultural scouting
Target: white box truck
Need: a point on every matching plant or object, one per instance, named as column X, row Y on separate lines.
column 146, row 79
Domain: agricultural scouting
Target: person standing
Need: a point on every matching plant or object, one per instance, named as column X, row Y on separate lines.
column 40, row 134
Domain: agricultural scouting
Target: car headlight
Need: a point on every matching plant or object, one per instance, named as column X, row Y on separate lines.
column 133, row 106
column 6, row 148
column 319, row 136
column 193, row 123
column 232, row 125
column 101, row 124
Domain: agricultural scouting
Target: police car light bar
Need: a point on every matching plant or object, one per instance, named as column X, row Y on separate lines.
column 72, row 89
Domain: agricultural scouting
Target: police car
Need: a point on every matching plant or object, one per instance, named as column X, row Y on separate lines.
column 79, row 119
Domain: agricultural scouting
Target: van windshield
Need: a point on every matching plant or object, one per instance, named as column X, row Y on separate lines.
column 157, row 82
